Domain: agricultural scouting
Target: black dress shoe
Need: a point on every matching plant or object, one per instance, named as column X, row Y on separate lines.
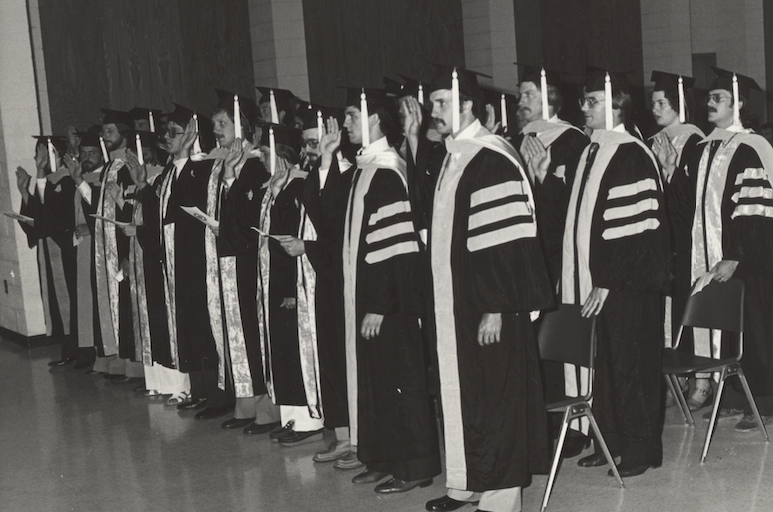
column 628, row 471
column 395, row 485
column 119, row 379
column 446, row 503
column 293, row 437
column 236, row 423
column 255, row 429
column 593, row 461
column 62, row 362
column 82, row 365
column 574, row 445
column 369, row 477
column 275, row 435
column 193, row 403
column 211, row 413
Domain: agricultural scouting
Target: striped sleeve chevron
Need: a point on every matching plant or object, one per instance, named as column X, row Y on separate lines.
column 499, row 214
column 752, row 194
column 390, row 232
column 631, row 209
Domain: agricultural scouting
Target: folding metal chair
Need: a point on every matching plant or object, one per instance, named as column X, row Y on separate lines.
column 717, row 306
column 565, row 336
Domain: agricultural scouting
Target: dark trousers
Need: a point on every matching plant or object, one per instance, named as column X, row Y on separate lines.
column 409, row 470
column 627, row 384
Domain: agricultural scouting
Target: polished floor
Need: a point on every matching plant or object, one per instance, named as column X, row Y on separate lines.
column 72, row 441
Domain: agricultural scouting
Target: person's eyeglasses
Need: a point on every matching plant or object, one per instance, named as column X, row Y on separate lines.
column 312, row 143
column 172, row 133
column 716, row 98
column 589, row 102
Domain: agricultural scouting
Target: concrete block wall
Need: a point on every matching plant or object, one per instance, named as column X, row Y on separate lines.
column 666, row 36
column 279, row 45
column 21, row 309
column 489, row 41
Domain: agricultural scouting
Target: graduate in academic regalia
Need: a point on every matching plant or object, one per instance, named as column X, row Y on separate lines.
column 488, row 273
column 389, row 410
column 113, row 201
column 286, row 313
column 234, row 191
column 149, row 305
column 326, row 190
column 674, row 146
column 183, row 182
column 727, row 185
column 616, row 263
column 51, row 233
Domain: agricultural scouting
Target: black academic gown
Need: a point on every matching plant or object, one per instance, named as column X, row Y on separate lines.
column 488, row 262
column 395, row 432
column 617, row 194
column 239, row 210
column 326, row 208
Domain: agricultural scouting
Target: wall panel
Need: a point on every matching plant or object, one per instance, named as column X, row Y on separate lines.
column 356, row 42
column 142, row 53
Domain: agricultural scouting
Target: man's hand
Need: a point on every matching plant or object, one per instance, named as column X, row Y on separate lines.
column 137, row 171
column 41, row 159
column 537, row 157
column 413, row 116
column 666, row 154
column 74, row 168
column 23, row 182
column 491, row 119
column 73, row 141
column 594, row 302
column 288, row 303
column 371, row 325
column 490, row 329
column 724, row 270
column 292, row 246
column 188, row 138
column 278, row 181
column 232, row 158
column 329, row 142
column 115, row 192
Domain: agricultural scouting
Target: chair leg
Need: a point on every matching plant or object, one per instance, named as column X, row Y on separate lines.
column 750, row 398
column 714, row 412
column 604, row 448
column 556, row 460
column 676, row 390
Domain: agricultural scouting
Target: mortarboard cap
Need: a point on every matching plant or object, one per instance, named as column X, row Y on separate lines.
column 181, row 115
column 117, row 117
column 394, row 87
column 670, row 81
column 373, row 96
column 411, row 86
column 148, row 139
column 59, row 142
column 468, row 80
column 143, row 113
column 529, row 73
column 309, row 116
column 284, row 135
column 282, row 96
column 595, row 78
column 724, row 81
column 89, row 139
column 225, row 101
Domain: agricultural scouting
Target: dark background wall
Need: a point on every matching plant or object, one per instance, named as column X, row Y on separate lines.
column 567, row 35
column 120, row 54
column 356, row 42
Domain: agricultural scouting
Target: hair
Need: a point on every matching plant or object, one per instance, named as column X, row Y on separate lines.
column 388, row 118
column 621, row 99
column 125, row 131
column 247, row 127
column 672, row 96
column 478, row 105
column 555, row 99
column 287, row 153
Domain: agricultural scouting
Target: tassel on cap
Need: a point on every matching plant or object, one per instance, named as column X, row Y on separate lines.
column 274, row 111
column 421, row 94
column 272, row 149
column 196, row 142
column 364, row 120
column 151, row 121
column 138, row 145
column 320, row 126
column 608, row 102
column 503, row 109
column 455, row 102
column 682, row 109
column 544, row 91
column 51, row 154
column 736, row 102
column 105, row 154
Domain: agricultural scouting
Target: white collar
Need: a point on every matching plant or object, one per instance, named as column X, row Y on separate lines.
column 553, row 119
column 470, row 132
column 377, row 146
column 620, row 128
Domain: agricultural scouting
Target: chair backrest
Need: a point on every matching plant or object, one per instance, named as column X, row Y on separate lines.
column 717, row 306
column 565, row 336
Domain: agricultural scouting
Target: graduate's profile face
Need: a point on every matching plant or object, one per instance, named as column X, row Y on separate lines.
column 142, row 125
column 224, row 129
column 173, row 137
column 530, row 103
column 311, row 144
column 662, row 110
column 90, row 157
column 442, row 110
column 112, row 137
column 593, row 110
column 265, row 111
column 352, row 124
column 720, row 107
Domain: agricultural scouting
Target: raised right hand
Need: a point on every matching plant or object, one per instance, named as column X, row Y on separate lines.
column 23, row 182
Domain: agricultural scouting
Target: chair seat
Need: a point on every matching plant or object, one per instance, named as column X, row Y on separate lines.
column 675, row 362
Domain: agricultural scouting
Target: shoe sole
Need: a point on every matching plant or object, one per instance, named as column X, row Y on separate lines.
column 329, row 459
column 312, row 438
